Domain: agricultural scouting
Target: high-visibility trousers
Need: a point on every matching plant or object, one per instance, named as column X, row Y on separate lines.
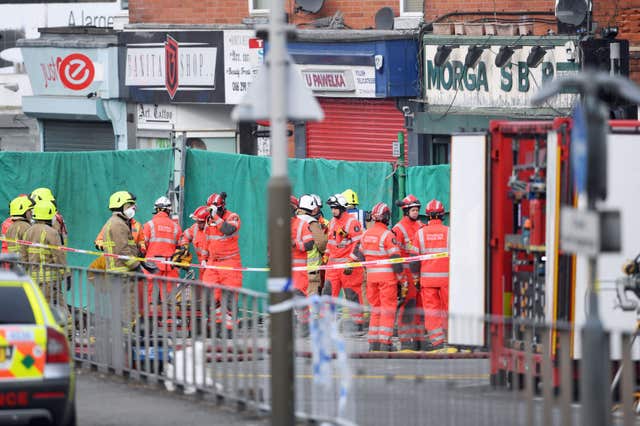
column 156, row 284
column 225, row 277
column 436, row 308
column 383, row 298
column 300, row 281
column 410, row 318
column 336, row 280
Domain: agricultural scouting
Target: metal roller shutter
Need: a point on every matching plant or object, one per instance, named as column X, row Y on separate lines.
column 63, row 135
column 355, row 129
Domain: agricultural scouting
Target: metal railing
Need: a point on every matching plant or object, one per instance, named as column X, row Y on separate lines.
column 214, row 340
column 180, row 332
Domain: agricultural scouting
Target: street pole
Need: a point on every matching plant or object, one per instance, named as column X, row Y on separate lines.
column 402, row 171
column 279, row 190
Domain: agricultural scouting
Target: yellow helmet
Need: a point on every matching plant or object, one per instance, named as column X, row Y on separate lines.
column 42, row 194
column 351, row 197
column 20, row 205
column 120, row 198
column 44, row 210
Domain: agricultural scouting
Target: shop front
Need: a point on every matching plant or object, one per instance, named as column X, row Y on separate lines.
column 468, row 81
column 362, row 79
column 74, row 76
column 184, row 84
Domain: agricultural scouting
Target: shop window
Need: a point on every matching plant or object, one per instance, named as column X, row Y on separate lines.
column 440, row 149
column 411, row 7
column 258, row 6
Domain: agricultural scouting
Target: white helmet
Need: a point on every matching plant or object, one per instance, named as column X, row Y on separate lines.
column 318, row 199
column 162, row 203
column 307, row 203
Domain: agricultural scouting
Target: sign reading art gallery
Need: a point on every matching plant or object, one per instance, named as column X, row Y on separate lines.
column 489, row 86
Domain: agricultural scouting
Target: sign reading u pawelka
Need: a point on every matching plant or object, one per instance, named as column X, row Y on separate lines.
column 487, row 85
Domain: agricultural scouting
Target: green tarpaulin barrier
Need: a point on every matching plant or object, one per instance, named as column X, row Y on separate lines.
column 244, row 178
column 82, row 183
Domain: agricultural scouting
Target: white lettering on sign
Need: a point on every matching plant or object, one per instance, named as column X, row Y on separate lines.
column 487, row 85
column 340, row 81
column 146, row 66
column 243, row 55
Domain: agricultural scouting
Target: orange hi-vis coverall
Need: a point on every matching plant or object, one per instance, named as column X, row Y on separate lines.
column 161, row 236
column 345, row 233
column 197, row 237
column 382, row 281
column 5, row 227
column 301, row 242
column 222, row 235
column 434, row 278
column 410, row 322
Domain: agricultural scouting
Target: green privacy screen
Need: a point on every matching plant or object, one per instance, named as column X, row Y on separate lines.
column 83, row 181
column 244, row 178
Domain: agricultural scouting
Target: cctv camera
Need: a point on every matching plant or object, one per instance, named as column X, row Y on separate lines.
column 570, row 48
column 406, row 110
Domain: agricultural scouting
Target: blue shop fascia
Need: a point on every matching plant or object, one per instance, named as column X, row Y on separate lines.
column 362, row 80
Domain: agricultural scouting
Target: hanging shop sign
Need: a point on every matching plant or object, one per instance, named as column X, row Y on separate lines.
column 188, row 66
column 489, row 86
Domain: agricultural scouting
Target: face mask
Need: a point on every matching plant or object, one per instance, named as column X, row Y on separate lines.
column 130, row 212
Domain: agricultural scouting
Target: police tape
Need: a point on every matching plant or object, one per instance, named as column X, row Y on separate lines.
column 329, row 266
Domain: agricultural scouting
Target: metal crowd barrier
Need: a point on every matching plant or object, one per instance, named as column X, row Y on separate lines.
column 181, row 335
column 174, row 332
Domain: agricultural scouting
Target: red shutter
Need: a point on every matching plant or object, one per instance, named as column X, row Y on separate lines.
column 355, row 129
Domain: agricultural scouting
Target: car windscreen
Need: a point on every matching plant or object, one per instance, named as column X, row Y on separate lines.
column 15, row 307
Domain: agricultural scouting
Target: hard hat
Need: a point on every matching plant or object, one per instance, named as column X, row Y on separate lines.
column 318, row 200
column 434, row 207
column 20, row 205
column 120, row 198
column 217, row 200
column 337, row 201
column 408, row 202
column 351, row 197
column 200, row 214
column 40, row 194
column 308, row 203
column 44, row 210
column 162, row 203
column 380, row 213
column 293, row 201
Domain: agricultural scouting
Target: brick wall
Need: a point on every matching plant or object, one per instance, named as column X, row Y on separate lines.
column 358, row 14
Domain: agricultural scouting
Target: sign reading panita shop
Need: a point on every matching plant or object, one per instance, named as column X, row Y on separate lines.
column 488, row 86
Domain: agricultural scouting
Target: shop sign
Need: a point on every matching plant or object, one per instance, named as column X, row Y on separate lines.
column 489, row 86
column 160, row 67
column 156, row 117
column 58, row 71
column 340, row 81
column 243, row 55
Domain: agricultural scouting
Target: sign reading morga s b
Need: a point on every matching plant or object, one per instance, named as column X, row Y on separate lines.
column 486, row 85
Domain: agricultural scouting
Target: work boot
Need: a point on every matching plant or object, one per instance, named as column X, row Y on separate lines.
column 387, row 347
column 408, row 346
column 374, row 346
column 424, row 345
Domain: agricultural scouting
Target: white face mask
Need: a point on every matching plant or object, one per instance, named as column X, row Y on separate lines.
column 130, row 212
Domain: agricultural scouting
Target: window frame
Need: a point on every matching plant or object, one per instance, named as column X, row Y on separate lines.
column 254, row 11
column 403, row 13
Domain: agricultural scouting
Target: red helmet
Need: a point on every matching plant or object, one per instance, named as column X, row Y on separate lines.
column 200, row 214
column 217, row 200
column 409, row 201
column 434, row 207
column 294, row 201
column 381, row 213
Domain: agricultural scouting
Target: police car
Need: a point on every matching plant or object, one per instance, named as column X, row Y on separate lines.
column 37, row 379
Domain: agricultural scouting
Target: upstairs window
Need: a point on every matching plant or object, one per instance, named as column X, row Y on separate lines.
column 411, row 7
column 258, row 6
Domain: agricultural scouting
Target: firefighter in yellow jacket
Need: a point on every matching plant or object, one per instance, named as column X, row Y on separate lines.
column 20, row 209
column 48, row 263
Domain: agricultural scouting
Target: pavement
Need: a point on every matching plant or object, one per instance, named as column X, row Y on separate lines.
column 106, row 400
